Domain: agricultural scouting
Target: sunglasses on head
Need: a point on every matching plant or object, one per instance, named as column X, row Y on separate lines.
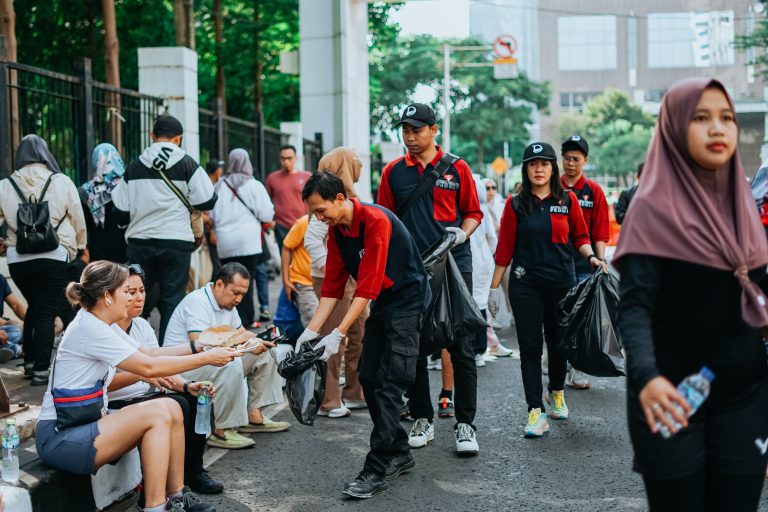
column 135, row 269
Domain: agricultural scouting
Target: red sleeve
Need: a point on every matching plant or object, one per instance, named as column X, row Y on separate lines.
column 600, row 230
column 505, row 249
column 576, row 226
column 385, row 197
column 336, row 274
column 372, row 272
column 469, row 204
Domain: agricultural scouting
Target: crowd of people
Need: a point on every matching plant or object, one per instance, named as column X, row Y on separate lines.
column 691, row 257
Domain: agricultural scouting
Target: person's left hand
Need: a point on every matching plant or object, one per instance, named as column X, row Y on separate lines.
column 461, row 235
column 194, row 388
column 597, row 263
column 3, row 337
column 330, row 344
column 171, row 383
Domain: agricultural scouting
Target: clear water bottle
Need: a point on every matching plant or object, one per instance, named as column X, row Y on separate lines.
column 695, row 390
column 203, row 416
column 11, row 452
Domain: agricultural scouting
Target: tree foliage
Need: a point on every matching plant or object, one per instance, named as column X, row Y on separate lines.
column 758, row 40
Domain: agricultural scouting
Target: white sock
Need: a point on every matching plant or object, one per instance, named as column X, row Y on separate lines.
column 159, row 508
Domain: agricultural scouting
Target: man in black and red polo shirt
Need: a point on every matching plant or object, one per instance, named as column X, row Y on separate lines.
column 594, row 207
column 450, row 203
column 371, row 245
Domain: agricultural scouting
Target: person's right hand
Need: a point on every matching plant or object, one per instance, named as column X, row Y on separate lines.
column 658, row 398
column 289, row 289
column 494, row 300
column 3, row 337
column 307, row 335
column 220, row 356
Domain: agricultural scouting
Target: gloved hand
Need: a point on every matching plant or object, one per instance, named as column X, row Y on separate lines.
column 306, row 336
column 494, row 300
column 461, row 235
column 331, row 344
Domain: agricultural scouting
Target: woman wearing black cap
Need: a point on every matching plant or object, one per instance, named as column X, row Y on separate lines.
column 536, row 228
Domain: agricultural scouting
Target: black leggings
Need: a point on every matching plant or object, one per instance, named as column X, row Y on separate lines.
column 705, row 490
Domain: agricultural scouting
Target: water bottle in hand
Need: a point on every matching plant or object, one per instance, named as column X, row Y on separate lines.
column 11, row 452
column 203, row 416
column 695, row 390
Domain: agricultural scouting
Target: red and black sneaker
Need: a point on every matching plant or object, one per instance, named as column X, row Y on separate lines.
column 444, row 407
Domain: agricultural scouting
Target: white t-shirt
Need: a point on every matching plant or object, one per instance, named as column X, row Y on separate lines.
column 238, row 232
column 89, row 350
column 141, row 334
column 197, row 312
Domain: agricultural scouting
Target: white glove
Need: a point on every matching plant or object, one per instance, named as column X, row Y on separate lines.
column 306, row 336
column 494, row 300
column 461, row 235
column 331, row 344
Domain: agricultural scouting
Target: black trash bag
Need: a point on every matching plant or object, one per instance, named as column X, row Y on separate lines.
column 452, row 312
column 304, row 374
column 587, row 318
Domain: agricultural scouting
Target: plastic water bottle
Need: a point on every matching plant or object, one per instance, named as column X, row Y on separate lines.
column 203, row 416
column 11, row 452
column 695, row 390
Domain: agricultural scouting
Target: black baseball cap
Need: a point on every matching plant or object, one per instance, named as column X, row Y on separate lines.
column 417, row 115
column 539, row 150
column 576, row 142
column 167, row 126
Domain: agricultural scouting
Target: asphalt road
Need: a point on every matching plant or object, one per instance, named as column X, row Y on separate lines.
column 583, row 464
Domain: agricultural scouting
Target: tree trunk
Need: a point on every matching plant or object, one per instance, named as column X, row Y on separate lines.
column 184, row 22
column 112, row 69
column 221, row 85
column 8, row 28
column 258, row 93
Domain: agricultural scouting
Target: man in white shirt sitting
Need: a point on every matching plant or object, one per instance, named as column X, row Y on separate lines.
column 213, row 305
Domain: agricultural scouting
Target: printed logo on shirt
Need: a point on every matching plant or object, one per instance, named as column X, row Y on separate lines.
column 558, row 208
column 519, row 272
column 361, row 253
column 447, row 184
column 161, row 159
column 762, row 445
column 584, row 202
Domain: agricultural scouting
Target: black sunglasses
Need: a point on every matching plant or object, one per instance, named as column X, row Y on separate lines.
column 490, row 188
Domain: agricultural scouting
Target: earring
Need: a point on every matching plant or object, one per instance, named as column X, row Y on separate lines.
column 109, row 302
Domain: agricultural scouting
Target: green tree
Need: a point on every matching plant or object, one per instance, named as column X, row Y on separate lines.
column 758, row 40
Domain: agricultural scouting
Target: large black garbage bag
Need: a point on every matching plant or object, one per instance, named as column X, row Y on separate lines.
column 587, row 318
column 452, row 312
column 304, row 374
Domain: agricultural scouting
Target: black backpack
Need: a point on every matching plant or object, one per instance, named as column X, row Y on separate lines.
column 34, row 233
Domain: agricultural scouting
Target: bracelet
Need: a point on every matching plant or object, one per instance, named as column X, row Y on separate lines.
column 192, row 346
column 593, row 256
column 186, row 385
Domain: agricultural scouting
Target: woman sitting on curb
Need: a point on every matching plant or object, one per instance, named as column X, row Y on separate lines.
column 70, row 439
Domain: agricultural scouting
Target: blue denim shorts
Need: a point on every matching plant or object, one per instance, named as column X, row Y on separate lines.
column 69, row 450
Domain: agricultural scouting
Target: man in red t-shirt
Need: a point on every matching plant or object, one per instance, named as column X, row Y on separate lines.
column 284, row 186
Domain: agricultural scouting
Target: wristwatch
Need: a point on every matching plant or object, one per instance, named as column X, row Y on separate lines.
column 186, row 385
column 193, row 347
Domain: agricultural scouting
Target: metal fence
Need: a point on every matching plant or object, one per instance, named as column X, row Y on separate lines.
column 313, row 151
column 73, row 113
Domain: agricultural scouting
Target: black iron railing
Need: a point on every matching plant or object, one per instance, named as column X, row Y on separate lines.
column 313, row 151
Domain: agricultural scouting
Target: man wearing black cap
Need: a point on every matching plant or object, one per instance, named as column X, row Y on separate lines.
column 447, row 203
column 159, row 234
column 594, row 207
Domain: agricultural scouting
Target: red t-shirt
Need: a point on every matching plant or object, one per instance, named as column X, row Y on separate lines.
column 285, row 190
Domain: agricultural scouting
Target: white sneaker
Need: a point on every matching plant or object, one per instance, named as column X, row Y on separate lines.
column 422, row 433
column 479, row 360
column 466, row 440
column 577, row 380
column 356, row 404
column 339, row 412
column 500, row 351
column 489, row 357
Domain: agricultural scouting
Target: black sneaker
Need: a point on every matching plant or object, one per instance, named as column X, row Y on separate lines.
column 29, row 370
column 400, row 464
column 204, row 483
column 191, row 502
column 264, row 316
column 366, row 485
column 444, row 407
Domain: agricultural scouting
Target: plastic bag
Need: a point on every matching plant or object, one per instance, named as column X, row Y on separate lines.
column 305, row 376
column 587, row 318
column 452, row 312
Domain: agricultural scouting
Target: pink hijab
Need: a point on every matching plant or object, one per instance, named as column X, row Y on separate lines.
column 687, row 213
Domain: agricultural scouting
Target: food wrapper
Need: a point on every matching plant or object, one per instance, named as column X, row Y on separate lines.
column 223, row 336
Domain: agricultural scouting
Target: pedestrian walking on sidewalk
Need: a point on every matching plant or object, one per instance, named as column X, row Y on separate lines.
column 594, row 207
column 446, row 202
column 41, row 272
column 370, row 244
column 284, row 186
column 537, row 227
column 691, row 253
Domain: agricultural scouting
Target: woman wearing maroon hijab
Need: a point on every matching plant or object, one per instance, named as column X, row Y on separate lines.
column 690, row 253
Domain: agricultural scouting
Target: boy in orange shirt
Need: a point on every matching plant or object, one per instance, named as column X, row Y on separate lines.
column 297, row 277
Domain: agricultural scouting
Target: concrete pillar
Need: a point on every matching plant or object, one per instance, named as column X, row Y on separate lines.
column 334, row 77
column 295, row 139
column 171, row 73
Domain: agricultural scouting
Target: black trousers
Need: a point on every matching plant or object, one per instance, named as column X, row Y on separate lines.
column 194, row 443
column 464, row 374
column 705, row 490
column 245, row 308
column 42, row 282
column 167, row 267
column 387, row 368
column 534, row 307
column 280, row 233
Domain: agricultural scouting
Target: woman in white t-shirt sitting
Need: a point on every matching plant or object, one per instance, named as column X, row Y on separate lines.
column 129, row 389
column 71, row 439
